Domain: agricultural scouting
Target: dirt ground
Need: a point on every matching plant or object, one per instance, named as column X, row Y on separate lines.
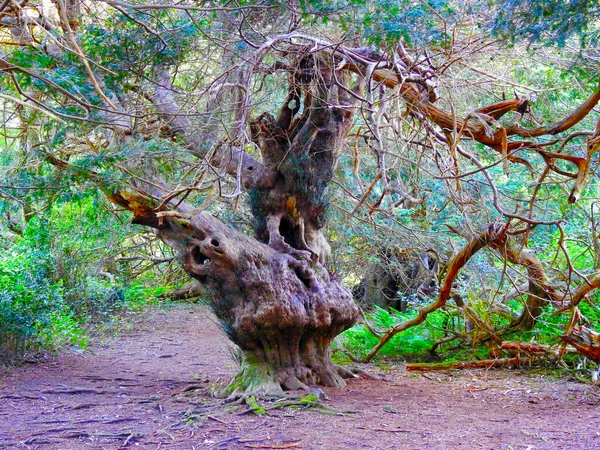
column 150, row 389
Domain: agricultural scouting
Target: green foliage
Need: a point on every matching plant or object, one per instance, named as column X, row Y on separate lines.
column 413, row 343
column 55, row 278
column 34, row 313
column 125, row 48
column 416, row 344
column 548, row 21
column 384, row 21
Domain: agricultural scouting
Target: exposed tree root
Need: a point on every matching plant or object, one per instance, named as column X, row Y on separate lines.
column 261, row 380
column 311, row 400
column 253, row 379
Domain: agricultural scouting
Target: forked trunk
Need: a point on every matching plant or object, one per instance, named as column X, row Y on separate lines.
column 273, row 294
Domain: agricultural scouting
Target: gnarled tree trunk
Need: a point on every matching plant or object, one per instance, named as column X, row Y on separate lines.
column 282, row 311
column 273, row 294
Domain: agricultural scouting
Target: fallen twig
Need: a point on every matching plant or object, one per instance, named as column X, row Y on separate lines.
column 83, row 406
column 129, row 438
column 218, row 420
column 20, row 397
column 75, row 390
column 384, row 429
column 224, row 441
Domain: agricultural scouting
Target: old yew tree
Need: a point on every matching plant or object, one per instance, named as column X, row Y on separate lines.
column 285, row 151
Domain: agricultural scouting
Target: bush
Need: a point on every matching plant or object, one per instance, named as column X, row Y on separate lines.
column 60, row 277
column 33, row 311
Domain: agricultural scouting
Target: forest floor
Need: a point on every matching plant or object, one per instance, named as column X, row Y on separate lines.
column 150, row 389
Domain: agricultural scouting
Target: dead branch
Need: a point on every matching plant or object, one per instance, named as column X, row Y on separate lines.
column 533, row 348
column 188, row 291
column 484, row 364
column 586, row 341
column 539, row 291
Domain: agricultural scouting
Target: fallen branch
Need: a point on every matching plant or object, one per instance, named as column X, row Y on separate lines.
column 291, row 445
column 586, row 341
column 384, row 430
column 188, row 291
column 76, row 390
column 484, row 364
column 532, row 347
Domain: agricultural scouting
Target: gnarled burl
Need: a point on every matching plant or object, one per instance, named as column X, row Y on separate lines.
column 282, row 311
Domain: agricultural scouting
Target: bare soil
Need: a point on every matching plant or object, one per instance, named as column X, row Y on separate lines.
column 150, row 389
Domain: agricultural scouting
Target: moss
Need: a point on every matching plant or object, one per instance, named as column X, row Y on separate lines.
column 309, row 400
column 254, row 377
column 255, row 407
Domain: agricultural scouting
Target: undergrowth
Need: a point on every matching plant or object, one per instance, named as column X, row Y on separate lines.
column 418, row 344
column 412, row 344
column 56, row 285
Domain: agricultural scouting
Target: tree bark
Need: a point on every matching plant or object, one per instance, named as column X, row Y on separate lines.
column 273, row 294
column 539, row 292
column 283, row 312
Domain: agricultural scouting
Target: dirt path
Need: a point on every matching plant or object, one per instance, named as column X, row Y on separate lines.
column 134, row 392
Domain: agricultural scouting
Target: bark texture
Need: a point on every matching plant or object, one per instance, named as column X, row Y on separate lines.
column 303, row 151
column 283, row 312
column 273, row 294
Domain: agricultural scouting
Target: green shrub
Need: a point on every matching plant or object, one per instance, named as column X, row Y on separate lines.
column 60, row 279
column 411, row 344
column 33, row 311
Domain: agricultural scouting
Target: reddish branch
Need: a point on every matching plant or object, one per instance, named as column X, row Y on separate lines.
column 494, row 233
column 531, row 347
column 539, row 291
column 484, row 364
column 477, row 125
column 586, row 341
column 415, row 99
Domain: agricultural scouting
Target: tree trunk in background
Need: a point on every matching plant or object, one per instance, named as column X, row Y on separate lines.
column 399, row 274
